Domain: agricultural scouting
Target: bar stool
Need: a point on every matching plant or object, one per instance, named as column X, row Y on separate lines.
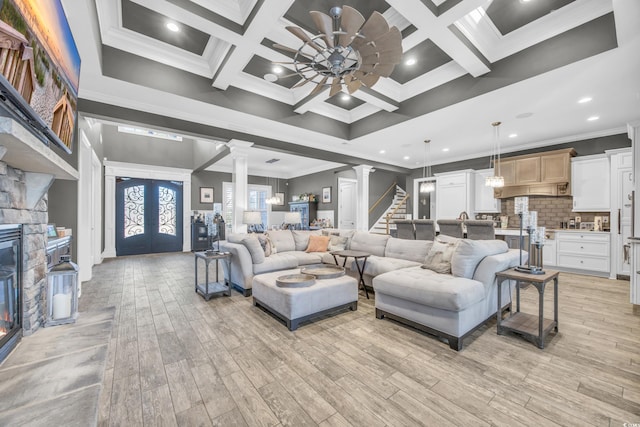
column 451, row 227
column 480, row 229
column 405, row 230
column 425, row 229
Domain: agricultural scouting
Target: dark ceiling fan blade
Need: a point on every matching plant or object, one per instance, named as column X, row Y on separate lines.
column 336, row 86
column 350, row 22
column 290, row 49
column 384, row 70
column 370, row 79
column 353, row 86
column 375, row 26
column 302, row 35
column 389, row 41
column 304, row 82
column 319, row 86
column 367, row 50
column 324, row 24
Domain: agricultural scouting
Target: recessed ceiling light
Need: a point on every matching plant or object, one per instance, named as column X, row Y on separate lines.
column 406, row 157
column 513, row 135
column 410, row 61
column 172, row 26
column 584, row 100
column 270, row 77
column 382, row 151
column 593, row 118
column 277, row 69
column 445, row 149
column 345, row 97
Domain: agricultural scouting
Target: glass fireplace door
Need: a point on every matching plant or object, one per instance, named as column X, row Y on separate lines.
column 10, row 298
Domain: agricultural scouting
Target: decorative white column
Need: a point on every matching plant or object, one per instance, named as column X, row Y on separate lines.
column 362, row 189
column 240, row 182
column 633, row 130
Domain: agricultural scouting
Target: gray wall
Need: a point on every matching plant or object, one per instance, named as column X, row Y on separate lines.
column 379, row 182
column 123, row 147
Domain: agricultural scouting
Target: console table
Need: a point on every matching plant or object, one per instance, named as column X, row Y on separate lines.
column 534, row 328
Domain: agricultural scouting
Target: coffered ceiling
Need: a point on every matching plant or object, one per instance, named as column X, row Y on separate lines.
column 525, row 63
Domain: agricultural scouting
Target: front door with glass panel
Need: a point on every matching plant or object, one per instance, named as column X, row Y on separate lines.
column 148, row 216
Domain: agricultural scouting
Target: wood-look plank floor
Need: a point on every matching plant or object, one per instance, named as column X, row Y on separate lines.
column 176, row 359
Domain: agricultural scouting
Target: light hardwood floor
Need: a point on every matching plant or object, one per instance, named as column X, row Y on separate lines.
column 176, row 359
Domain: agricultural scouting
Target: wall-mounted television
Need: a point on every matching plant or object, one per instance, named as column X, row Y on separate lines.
column 39, row 69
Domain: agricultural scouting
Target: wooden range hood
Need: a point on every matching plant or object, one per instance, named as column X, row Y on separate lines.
column 539, row 174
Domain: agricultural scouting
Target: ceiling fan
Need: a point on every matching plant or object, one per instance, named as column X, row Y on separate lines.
column 348, row 50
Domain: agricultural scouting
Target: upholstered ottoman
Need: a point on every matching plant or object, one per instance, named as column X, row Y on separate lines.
column 298, row 304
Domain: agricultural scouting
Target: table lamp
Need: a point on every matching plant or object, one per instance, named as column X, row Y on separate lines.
column 292, row 219
column 251, row 219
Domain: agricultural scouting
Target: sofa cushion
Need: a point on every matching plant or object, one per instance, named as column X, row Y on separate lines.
column 469, row 253
column 318, row 243
column 301, row 238
column 431, row 289
column 411, row 250
column 252, row 244
column 235, row 237
column 378, row 265
column 373, row 244
column 338, row 243
column 439, row 257
column 276, row 262
column 282, row 240
column 306, row 258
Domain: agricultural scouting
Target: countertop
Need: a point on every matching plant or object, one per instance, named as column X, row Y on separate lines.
column 516, row 231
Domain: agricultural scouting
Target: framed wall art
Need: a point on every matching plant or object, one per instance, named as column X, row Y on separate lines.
column 206, row 194
column 326, row 194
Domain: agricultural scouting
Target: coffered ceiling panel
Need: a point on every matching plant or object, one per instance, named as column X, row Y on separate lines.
column 213, row 70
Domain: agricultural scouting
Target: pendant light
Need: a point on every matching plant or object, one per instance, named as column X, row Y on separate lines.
column 273, row 200
column 496, row 180
column 426, row 186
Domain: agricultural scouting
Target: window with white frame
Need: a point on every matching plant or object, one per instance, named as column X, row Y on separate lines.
column 257, row 201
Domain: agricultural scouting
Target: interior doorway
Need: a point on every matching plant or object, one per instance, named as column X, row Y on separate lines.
column 148, row 216
column 347, row 203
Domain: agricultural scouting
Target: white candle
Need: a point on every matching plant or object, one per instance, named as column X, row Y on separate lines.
column 61, row 306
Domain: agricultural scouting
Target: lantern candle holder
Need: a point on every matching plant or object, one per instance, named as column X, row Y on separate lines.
column 62, row 293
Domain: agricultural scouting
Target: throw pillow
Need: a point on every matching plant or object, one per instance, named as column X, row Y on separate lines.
column 470, row 253
column 252, row 244
column 266, row 244
column 439, row 257
column 318, row 243
column 338, row 243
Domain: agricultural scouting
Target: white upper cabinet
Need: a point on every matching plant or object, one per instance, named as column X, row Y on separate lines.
column 454, row 194
column 590, row 183
column 484, row 200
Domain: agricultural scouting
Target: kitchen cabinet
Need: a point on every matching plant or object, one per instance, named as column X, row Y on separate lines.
column 584, row 251
column 555, row 167
column 484, row 201
column 454, row 194
column 549, row 253
column 590, row 179
column 536, row 174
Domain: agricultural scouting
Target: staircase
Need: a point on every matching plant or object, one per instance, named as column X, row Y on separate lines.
column 397, row 209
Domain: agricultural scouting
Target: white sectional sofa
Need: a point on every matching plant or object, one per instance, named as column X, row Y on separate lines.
column 448, row 303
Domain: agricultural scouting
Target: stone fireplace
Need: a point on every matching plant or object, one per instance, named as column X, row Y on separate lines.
column 27, row 169
column 15, row 209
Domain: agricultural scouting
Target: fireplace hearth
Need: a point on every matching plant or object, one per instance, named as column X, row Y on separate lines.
column 10, row 288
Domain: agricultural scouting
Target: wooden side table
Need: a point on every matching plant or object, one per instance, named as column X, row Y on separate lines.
column 534, row 328
column 355, row 255
column 209, row 289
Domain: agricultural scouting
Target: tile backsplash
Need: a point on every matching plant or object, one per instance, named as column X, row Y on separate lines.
column 551, row 211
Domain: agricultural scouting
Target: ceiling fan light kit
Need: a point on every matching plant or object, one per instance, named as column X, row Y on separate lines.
column 349, row 50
